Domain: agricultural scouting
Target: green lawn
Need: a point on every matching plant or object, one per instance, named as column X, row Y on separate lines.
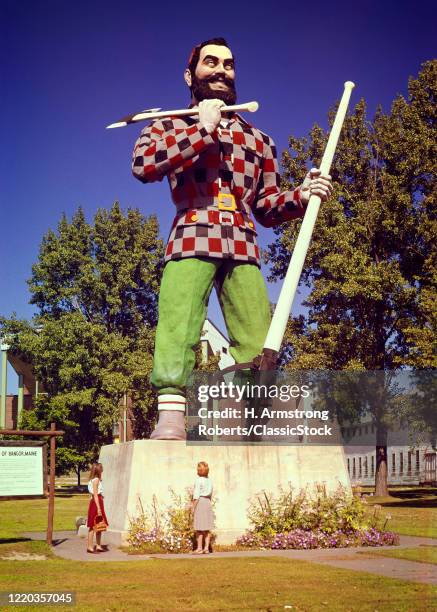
column 17, row 516
column 220, row 584
column 413, row 511
column 422, row 554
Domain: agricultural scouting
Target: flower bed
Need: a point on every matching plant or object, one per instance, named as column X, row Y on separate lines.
column 302, row 539
column 317, row 520
column 163, row 530
column 154, row 542
column 289, row 520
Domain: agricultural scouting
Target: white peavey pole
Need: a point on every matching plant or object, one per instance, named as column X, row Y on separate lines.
column 283, row 307
column 157, row 113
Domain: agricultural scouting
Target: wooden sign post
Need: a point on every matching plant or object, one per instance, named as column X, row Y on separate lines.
column 52, row 433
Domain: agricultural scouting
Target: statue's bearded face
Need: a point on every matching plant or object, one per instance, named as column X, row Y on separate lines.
column 214, row 76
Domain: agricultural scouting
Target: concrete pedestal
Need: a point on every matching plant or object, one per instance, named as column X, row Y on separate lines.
column 141, row 469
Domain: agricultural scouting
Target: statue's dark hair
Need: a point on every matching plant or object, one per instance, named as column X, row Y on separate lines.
column 195, row 53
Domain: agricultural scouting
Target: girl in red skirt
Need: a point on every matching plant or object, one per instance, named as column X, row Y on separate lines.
column 96, row 507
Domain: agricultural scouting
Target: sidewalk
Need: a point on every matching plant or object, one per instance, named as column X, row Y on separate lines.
column 68, row 546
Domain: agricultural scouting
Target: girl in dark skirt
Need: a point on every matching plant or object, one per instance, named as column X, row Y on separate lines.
column 203, row 519
column 96, row 507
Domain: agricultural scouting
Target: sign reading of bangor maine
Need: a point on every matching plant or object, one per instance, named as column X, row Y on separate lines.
column 21, row 471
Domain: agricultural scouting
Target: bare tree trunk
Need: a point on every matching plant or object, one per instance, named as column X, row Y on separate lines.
column 78, row 475
column 381, row 488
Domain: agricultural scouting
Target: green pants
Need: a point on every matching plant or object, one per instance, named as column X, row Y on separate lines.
column 183, row 300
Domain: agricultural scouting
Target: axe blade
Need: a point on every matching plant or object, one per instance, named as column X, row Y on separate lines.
column 131, row 118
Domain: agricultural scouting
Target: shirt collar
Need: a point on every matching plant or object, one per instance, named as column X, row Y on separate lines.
column 240, row 118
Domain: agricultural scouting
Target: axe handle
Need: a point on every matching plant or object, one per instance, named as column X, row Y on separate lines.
column 250, row 107
column 280, row 317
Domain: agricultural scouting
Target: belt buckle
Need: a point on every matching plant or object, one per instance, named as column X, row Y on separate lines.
column 224, row 220
column 222, row 205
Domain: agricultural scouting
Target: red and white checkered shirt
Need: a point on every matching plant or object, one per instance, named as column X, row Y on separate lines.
column 203, row 170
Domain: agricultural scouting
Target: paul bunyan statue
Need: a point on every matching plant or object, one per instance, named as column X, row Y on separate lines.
column 223, row 175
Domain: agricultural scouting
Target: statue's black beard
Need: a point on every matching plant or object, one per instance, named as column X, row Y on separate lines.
column 201, row 90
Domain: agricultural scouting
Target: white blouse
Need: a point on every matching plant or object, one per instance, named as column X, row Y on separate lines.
column 99, row 488
column 202, row 487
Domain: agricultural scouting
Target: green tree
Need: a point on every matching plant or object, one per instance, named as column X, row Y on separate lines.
column 371, row 268
column 205, row 363
column 420, row 412
column 95, row 287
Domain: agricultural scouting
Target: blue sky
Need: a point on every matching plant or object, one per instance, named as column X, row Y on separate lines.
column 69, row 68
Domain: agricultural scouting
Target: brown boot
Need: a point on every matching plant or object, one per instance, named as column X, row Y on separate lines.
column 171, row 426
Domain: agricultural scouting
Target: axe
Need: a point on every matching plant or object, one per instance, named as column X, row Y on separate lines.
column 268, row 358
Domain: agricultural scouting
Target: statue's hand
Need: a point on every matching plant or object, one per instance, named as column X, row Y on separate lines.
column 209, row 114
column 316, row 183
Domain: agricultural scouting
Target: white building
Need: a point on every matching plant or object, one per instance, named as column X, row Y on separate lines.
column 406, row 464
column 213, row 342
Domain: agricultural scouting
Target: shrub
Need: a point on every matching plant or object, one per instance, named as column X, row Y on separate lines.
column 320, row 520
column 287, row 511
column 305, row 539
column 164, row 530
